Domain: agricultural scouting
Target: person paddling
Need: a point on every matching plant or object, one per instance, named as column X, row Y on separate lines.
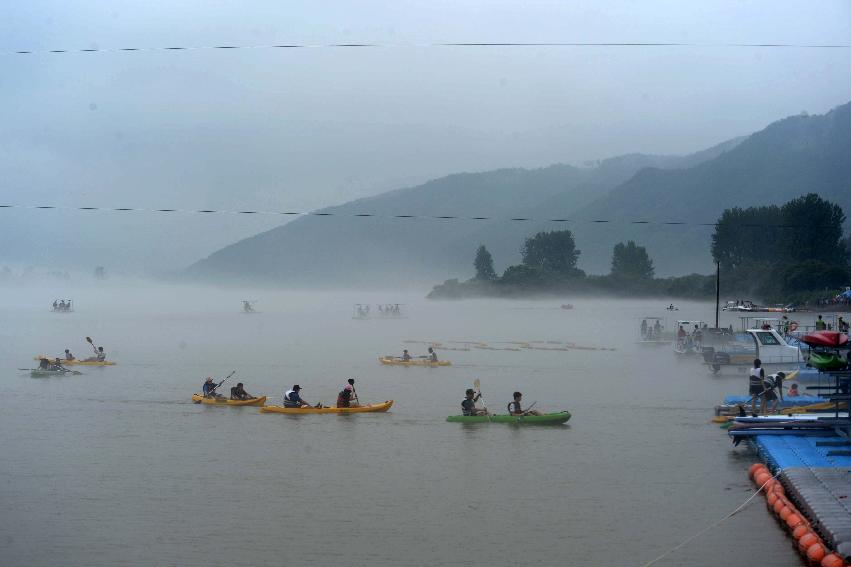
column 238, row 393
column 515, row 408
column 406, row 356
column 468, row 404
column 43, row 364
column 345, row 397
column 292, row 398
column 209, row 388
column 99, row 356
column 432, row 356
column 68, row 355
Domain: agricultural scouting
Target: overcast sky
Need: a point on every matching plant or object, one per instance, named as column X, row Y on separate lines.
column 304, row 128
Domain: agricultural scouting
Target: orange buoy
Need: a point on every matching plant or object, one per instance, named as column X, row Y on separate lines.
column 793, row 520
column 816, row 552
column 832, row 560
column 771, row 498
column 799, row 531
column 785, row 512
column 752, row 470
column 778, row 488
column 808, row 539
column 779, row 504
column 762, row 477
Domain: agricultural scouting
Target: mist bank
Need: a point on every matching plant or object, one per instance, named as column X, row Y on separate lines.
column 403, row 236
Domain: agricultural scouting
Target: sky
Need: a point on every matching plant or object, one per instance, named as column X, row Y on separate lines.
column 299, row 129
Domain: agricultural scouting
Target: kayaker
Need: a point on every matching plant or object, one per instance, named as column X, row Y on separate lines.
column 468, row 404
column 292, row 398
column 432, row 356
column 514, row 407
column 57, row 365
column 43, row 364
column 755, row 387
column 68, row 355
column 238, row 393
column 793, row 391
column 406, row 356
column 209, row 388
column 344, row 398
column 99, row 356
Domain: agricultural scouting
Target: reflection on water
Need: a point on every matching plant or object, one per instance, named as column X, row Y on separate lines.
column 117, row 466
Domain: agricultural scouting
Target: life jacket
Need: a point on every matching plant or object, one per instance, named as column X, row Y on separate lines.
column 289, row 402
column 344, row 399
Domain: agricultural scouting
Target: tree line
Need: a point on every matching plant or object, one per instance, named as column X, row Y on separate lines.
column 785, row 253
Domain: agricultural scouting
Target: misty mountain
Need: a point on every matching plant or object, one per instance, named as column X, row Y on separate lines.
column 791, row 157
column 345, row 248
column 798, row 155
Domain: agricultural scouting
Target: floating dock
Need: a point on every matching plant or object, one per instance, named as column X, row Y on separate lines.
column 811, row 461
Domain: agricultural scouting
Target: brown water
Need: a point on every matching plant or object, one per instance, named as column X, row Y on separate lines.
column 118, row 466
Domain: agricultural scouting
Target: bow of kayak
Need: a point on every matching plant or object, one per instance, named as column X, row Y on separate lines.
column 545, row 419
column 368, row 408
column 199, row 399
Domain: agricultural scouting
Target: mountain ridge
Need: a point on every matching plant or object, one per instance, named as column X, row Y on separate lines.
column 790, row 157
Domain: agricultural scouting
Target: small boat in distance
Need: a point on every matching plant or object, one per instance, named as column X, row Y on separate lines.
column 689, row 337
column 63, row 306
column 748, row 306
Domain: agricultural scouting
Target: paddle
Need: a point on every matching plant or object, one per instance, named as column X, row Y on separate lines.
column 351, row 382
column 91, row 342
column 477, row 384
column 213, row 389
column 526, row 411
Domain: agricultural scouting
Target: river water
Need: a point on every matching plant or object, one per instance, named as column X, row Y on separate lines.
column 118, row 467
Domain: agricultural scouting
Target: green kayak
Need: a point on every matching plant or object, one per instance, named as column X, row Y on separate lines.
column 826, row 361
column 546, row 419
column 39, row 373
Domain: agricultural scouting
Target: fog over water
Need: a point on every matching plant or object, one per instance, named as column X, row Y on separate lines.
column 117, row 466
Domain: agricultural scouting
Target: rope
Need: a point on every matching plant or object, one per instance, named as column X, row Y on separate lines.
column 713, row 525
column 431, row 45
column 390, row 216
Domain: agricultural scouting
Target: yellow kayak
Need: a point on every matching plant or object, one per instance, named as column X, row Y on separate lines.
column 75, row 361
column 413, row 362
column 368, row 408
column 199, row 399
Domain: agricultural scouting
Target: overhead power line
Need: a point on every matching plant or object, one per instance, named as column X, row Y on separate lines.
column 420, row 45
column 391, row 216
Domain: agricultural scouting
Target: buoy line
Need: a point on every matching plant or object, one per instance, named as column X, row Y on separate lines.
column 713, row 525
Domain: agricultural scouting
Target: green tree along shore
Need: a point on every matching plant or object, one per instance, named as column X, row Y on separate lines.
column 790, row 253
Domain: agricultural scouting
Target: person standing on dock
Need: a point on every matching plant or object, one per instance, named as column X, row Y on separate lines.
column 755, row 386
column 820, row 324
column 842, row 325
